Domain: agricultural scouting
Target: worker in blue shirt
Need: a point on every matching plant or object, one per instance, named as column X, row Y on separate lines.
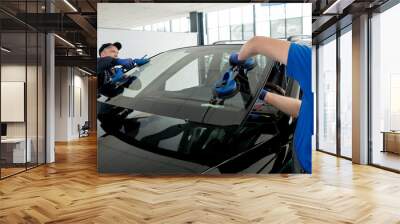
column 297, row 58
column 107, row 77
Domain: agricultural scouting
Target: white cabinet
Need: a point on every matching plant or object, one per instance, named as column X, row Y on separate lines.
column 17, row 145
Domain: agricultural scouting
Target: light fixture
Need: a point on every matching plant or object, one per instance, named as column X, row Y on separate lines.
column 79, row 51
column 84, row 71
column 70, row 5
column 79, row 44
column 64, row 40
column 5, row 50
column 337, row 7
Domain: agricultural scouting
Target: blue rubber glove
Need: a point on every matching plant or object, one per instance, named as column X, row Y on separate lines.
column 263, row 95
column 127, row 63
column 234, row 61
column 141, row 61
column 118, row 75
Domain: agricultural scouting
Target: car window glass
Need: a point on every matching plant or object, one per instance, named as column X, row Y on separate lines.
column 181, row 80
column 179, row 84
column 152, row 70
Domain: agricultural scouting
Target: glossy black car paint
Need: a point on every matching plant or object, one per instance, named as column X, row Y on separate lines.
column 144, row 142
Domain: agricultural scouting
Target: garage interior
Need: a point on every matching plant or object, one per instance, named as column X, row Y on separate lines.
column 48, row 170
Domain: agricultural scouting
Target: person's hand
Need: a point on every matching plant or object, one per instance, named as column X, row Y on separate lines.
column 127, row 63
column 118, row 75
column 141, row 61
column 263, row 95
column 258, row 106
column 246, row 64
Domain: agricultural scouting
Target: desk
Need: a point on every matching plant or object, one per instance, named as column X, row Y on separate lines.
column 13, row 150
column 391, row 141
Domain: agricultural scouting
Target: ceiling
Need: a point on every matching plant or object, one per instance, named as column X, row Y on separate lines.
column 72, row 20
column 79, row 27
column 332, row 15
column 22, row 47
column 127, row 15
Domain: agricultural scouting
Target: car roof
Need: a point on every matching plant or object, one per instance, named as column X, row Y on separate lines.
column 221, row 42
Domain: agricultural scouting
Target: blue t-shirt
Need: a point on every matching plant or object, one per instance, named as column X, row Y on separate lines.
column 299, row 67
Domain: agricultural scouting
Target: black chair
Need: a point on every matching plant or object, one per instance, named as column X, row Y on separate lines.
column 84, row 130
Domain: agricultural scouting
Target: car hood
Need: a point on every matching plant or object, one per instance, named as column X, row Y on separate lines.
column 139, row 142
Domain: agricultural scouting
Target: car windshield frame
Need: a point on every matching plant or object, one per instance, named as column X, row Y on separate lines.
column 192, row 104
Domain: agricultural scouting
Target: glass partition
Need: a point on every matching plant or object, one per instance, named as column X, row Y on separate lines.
column 385, row 90
column 327, row 96
column 14, row 153
column 41, row 97
column 22, row 88
column 31, row 98
column 346, row 93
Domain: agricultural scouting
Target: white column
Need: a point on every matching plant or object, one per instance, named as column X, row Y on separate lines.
column 50, row 99
column 360, row 90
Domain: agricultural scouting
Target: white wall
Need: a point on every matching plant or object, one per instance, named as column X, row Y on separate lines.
column 12, row 73
column 33, row 125
column 69, row 82
column 136, row 44
column 80, row 84
column 61, row 103
column 127, row 15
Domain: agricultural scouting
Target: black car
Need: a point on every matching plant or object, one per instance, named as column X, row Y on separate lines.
column 164, row 121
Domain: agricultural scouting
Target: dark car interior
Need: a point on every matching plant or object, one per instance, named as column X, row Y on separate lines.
column 259, row 125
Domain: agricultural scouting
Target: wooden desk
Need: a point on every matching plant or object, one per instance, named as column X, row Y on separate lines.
column 391, row 141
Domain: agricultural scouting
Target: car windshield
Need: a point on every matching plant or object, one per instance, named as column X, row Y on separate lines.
column 179, row 83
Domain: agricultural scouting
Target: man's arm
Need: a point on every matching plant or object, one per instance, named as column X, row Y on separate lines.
column 273, row 48
column 285, row 104
column 105, row 63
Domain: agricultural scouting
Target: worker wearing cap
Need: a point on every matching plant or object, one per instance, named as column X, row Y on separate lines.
column 106, row 76
column 297, row 58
